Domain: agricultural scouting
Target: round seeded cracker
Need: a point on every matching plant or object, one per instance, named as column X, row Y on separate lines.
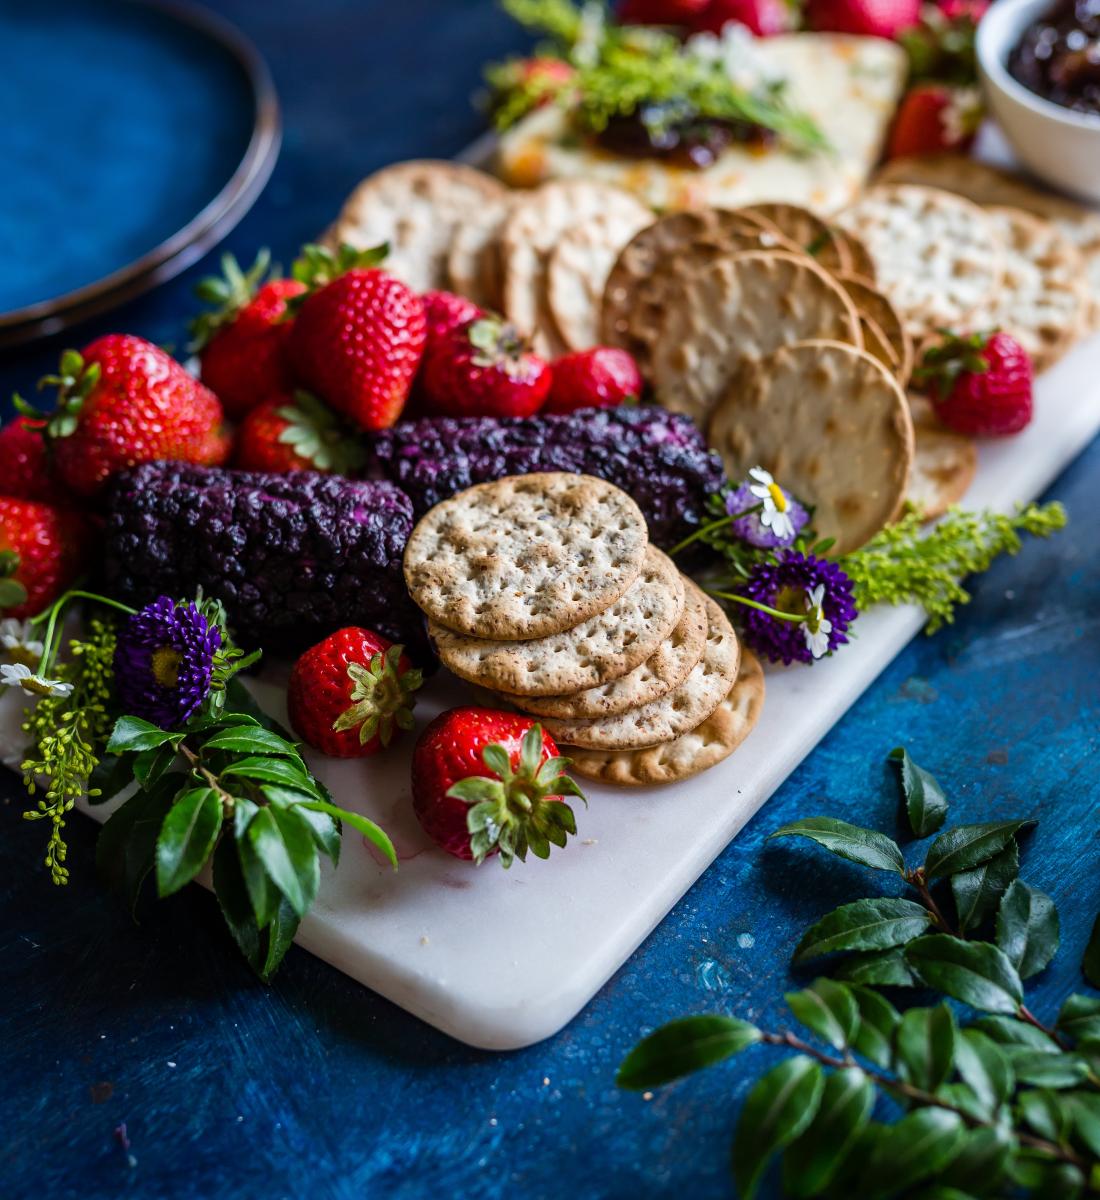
column 872, row 304
column 944, row 466
column 734, row 313
column 678, row 711
column 691, row 753
column 666, row 668
column 526, row 556
column 415, row 207
column 833, row 427
column 473, row 258
column 811, row 234
column 606, row 646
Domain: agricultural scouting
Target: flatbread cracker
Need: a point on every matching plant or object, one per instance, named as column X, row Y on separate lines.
column 677, row 712
column 944, row 466
column 606, row 646
column 666, row 668
column 870, row 302
column 938, row 257
column 809, row 232
column 473, row 258
column 734, row 313
column 833, row 427
column 1044, row 301
column 530, row 234
column 525, row 556
column 691, row 753
column 416, row 207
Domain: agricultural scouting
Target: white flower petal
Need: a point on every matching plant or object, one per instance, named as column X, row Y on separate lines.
column 761, row 476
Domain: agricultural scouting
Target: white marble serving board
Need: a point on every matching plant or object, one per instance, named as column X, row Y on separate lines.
column 501, row 959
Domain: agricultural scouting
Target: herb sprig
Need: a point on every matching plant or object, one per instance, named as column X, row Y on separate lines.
column 1003, row 1104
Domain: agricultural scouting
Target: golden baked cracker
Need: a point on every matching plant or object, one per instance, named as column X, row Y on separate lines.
column 944, row 465
column 833, row 427
column 870, row 302
column 690, row 753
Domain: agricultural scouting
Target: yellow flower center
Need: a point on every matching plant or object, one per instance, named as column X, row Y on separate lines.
column 166, row 666
column 777, row 495
column 817, row 615
column 38, row 687
column 791, row 600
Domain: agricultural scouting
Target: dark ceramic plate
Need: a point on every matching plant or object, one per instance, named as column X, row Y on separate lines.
column 134, row 136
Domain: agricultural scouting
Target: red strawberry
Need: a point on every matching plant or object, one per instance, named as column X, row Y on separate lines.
column 124, row 401
column 358, row 338
column 485, row 781
column 347, row 693
column 598, row 378
column 241, row 342
column 484, row 369
column 935, row 117
column 660, row 12
column 295, row 433
column 443, row 312
column 980, row 384
column 764, row 17
column 42, row 550
column 25, row 467
column 871, row 18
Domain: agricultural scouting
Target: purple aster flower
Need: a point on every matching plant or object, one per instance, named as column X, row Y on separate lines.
column 780, row 518
column 805, row 586
column 164, row 662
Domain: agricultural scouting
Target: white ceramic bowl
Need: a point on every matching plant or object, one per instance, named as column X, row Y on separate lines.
column 1060, row 146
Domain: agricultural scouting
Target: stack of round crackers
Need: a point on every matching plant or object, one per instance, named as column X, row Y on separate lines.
column 545, row 590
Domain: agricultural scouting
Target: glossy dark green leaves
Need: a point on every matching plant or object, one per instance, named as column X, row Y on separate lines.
column 1027, row 928
column 843, row 1112
column 966, row 846
column 1079, row 1018
column 828, row 1009
column 187, row 838
column 284, row 845
column 864, row 846
column 976, row 973
column 914, row 1149
column 780, row 1106
column 925, row 803
column 978, row 892
column 985, row 1068
column 684, row 1046
column 131, row 734
column 925, row 1042
column 864, row 925
column 881, row 968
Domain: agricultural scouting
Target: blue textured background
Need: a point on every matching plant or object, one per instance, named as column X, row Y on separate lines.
column 315, row 1086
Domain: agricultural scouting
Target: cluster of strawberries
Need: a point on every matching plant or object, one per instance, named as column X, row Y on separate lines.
column 299, row 365
column 941, row 110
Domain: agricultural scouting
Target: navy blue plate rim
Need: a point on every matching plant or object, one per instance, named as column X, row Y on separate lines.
column 205, row 230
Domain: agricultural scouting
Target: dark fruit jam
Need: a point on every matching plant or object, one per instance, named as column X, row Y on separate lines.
column 678, row 135
column 1058, row 57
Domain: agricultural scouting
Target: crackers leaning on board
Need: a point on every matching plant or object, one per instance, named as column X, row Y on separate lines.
column 544, row 589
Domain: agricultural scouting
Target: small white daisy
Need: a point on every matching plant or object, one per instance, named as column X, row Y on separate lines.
column 817, row 626
column 775, row 514
column 18, row 641
column 22, row 676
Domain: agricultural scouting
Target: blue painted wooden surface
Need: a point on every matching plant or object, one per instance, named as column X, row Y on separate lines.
column 315, row 1086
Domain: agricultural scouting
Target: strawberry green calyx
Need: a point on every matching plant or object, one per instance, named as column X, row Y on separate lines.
column 497, row 343
column 942, row 364
column 74, row 382
column 318, row 266
column 12, row 592
column 228, row 293
column 314, row 432
column 512, row 812
column 382, row 697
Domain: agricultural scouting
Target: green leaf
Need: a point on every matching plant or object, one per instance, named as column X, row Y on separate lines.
column 250, row 739
column 882, row 968
column 187, row 838
column 879, row 1020
column 262, row 893
column 925, row 802
column 926, row 1046
column 111, row 776
column 966, row 846
column 976, row 973
column 126, row 849
column 132, row 733
column 828, row 1009
column 1049, row 1070
column 233, row 900
column 1084, row 1113
column 914, row 1149
column 780, row 1106
column 814, row 1157
column 325, row 829
column 864, row 925
column 978, row 891
column 684, row 1046
column 1090, row 964
column 273, row 770
column 1079, row 1018
column 149, row 765
column 374, row 834
column 285, row 847
column 864, row 846
column 985, row 1067
column 1008, row 1031
column 1043, row 1111
column 277, row 938
column 1027, row 928
column 981, row 1162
